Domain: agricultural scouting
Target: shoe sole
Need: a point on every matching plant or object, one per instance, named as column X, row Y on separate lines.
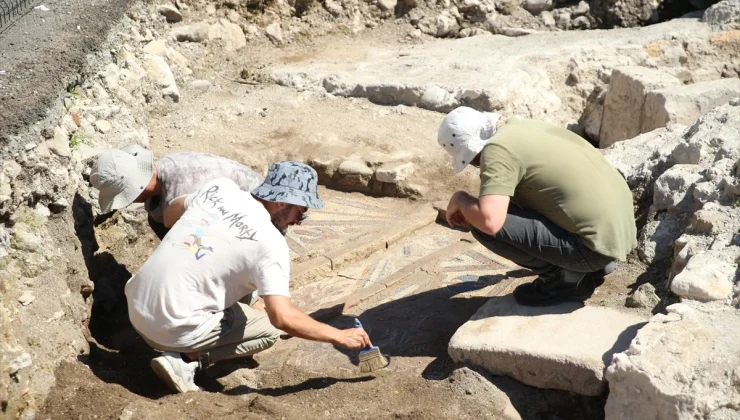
column 164, row 371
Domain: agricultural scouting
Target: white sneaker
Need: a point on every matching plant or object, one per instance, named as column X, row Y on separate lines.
column 178, row 374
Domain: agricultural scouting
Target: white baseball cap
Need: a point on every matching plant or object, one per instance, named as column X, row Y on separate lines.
column 121, row 176
column 463, row 134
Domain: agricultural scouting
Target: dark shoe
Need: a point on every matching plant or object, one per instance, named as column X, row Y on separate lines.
column 551, row 289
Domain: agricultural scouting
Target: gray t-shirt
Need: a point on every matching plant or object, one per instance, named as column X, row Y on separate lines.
column 183, row 173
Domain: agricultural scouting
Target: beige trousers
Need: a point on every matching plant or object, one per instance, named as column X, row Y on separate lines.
column 243, row 331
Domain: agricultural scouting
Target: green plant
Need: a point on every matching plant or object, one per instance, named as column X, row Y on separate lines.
column 77, row 139
column 73, row 91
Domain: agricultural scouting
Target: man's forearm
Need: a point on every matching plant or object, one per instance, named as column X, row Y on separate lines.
column 298, row 324
column 470, row 209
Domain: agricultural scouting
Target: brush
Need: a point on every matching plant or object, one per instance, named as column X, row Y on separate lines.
column 370, row 357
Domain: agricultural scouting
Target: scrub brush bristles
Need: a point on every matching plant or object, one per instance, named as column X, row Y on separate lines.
column 372, row 360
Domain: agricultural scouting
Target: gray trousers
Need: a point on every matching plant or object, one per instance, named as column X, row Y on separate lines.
column 534, row 242
column 243, row 331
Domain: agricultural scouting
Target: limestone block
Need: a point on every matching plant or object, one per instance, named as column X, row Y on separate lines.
column 657, row 237
column 684, row 104
column 722, row 13
column 562, row 347
column 623, row 105
column 705, row 278
column 674, row 188
column 684, row 365
column 394, row 173
column 642, row 158
column 229, row 33
column 170, row 13
column 161, row 75
column 536, row 7
column 446, row 25
column 59, row 144
column 275, row 33
column 25, row 239
column 709, row 219
column 355, row 167
column 197, row 32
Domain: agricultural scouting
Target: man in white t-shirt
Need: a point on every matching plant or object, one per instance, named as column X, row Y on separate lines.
column 225, row 243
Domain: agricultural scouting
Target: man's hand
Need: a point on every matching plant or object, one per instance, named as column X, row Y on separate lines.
column 455, row 218
column 353, row 339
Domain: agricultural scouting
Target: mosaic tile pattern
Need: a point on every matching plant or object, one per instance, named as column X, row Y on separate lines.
column 343, row 218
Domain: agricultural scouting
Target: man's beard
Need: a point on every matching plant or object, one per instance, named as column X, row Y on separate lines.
column 280, row 220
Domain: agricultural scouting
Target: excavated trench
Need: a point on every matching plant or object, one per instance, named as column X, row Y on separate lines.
column 412, row 281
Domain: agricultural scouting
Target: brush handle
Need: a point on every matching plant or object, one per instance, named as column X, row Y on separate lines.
column 358, row 324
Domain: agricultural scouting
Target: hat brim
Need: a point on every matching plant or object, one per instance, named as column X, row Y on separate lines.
column 283, row 194
column 462, row 159
column 135, row 185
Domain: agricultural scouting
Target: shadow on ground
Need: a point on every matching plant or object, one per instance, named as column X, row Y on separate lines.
column 117, row 353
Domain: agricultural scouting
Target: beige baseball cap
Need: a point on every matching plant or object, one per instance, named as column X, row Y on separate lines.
column 464, row 132
column 121, row 176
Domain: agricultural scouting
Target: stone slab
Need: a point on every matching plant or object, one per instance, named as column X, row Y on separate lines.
column 682, row 365
column 565, row 347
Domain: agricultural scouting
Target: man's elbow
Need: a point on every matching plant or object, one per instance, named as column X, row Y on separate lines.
column 491, row 227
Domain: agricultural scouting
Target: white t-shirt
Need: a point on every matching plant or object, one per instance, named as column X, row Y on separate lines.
column 223, row 248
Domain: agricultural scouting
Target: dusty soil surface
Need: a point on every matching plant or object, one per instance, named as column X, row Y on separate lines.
column 41, row 53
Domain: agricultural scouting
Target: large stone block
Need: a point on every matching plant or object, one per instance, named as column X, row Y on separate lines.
column 705, row 278
column 674, row 188
column 683, row 365
column 623, row 106
column 684, row 104
column 562, row 347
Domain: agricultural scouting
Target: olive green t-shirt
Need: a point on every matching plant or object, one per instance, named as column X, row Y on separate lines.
column 560, row 175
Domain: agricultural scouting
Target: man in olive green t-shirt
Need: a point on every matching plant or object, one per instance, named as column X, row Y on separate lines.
column 548, row 201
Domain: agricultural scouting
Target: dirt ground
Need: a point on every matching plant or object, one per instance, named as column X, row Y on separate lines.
column 41, row 53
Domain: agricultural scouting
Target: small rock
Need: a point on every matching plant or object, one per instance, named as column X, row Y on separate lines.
column 355, row 167
column 536, row 7
column 103, row 126
column 275, row 33
column 394, row 173
column 60, row 143
column 581, row 22
column 387, row 5
column 191, row 33
column 126, row 414
column 547, row 18
column 156, row 47
column 59, row 205
column 24, row 239
column 582, row 9
column 229, row 33
column 170, row 13
column 30, row 146
column 42, row 210
column 26, row 298
column 21, row 362
column 643, row 297
column 200, row 84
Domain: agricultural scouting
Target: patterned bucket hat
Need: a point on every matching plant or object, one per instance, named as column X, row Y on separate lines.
column 292, row 183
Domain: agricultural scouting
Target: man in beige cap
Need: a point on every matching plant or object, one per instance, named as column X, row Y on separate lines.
column 129, row 175
column 548, row 201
